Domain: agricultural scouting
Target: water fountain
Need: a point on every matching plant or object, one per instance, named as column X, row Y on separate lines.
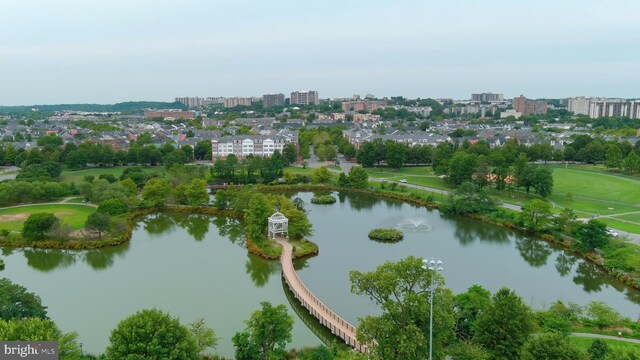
column 413, row 224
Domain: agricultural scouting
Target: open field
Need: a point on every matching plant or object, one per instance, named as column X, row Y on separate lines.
column 78, row 175
column 70, row 214
column 584, row 343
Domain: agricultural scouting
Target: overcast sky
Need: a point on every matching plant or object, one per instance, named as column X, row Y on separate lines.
column 106, row 51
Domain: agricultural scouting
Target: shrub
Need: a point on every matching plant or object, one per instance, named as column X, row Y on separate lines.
column 323, row 199
column 386, row 235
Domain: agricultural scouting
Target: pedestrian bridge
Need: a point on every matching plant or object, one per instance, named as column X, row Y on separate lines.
column 325, row 316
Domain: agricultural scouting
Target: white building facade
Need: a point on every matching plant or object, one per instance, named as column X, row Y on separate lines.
column 244, row 145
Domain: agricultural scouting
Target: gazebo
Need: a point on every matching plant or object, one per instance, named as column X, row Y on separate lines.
column 278, row 224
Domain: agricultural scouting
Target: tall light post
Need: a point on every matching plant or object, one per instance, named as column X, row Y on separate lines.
column 432, row 265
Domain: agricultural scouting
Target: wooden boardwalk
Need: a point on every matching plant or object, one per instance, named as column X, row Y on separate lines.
column 326, row 316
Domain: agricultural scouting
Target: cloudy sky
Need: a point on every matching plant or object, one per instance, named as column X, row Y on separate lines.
column 106, row 51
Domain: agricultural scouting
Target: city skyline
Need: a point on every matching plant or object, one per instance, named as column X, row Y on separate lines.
column 96, row 52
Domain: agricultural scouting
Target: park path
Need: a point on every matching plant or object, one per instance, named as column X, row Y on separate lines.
column 62, row 201
column 609, row 337
column 326, row 316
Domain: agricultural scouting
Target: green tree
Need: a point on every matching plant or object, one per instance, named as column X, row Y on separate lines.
column 542, row 180
column 256, row 217
column 598, row 350
column 631, row 164
column 113, row 206
column 536, row 214
column 37, row 225
column 17, row 303
column 602, row 314
column 267, row 333
column 461, row 168
column 463, row 350
column 289, row 153
column 402, row 291
column 343, row 180
column 321, row 175
column 151, row 334
column 196, row 193
column 552, row 346
column 613, row 157
column 396, row 154
column 156, row 192
column 467, row 306
column 38, row 329
column 366, row 155
column 99, row 221
column 358, row 177
column 204, row 336
column 504, row 326
column 591, row 235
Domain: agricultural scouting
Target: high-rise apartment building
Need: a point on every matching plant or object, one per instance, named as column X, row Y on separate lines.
column 198, row 101
column 303, row 97
column 579, row 105
column 237, row 101
column 487, row 97
column 270, row 100
column 529, row 107
column 614, row 108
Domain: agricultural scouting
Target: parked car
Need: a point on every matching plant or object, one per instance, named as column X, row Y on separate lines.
column 404, row 181
column 612, row 233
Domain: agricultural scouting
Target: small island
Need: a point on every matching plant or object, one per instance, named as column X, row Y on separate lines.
column 323, row 199
column 386, row 235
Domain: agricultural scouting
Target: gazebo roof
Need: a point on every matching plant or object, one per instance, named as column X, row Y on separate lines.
column 278, row 217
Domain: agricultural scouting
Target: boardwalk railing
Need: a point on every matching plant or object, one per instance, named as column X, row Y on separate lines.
column 320, row 311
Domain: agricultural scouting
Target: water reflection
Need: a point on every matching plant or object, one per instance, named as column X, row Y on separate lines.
column 46, row 260
column 467, row 231
column 589, row 277
column 535, row 252
column 158, row 223
column 232, row 229
column 196, row 225
column 564, row 263
column 259, row 269
column 360, row 201
column 312, row 323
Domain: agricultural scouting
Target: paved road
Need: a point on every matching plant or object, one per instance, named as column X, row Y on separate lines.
column 63, row 201
column 598, row 336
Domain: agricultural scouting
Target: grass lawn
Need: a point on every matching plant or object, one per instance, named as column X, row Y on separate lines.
column 299, row 170
column 630, row 217
column 621, row 225
column 585, row 343
column 73, row 215
column 597, row 186
column 77, row 176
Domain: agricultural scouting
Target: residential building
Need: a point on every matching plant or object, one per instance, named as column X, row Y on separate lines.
column 614, row 108
column 510, row 112
column 237, row 101
column 579, row 105
column 244, row 145
column 270, row 100
column 304, row 97
column 198, row 101
column 529, row 107
column 357, row 105
column 487, row 97
column 169, row 114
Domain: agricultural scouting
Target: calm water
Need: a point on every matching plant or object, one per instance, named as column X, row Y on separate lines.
column 194, row 266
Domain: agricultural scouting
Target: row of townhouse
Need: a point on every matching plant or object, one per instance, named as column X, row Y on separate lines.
column 244, row 145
